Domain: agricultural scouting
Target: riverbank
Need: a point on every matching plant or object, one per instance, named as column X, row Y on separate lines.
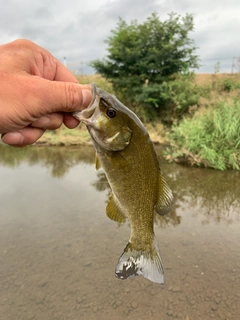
column 80, row 136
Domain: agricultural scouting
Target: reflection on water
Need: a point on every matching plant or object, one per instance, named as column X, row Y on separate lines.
column 59, row 251
column 215, row 193
column 58, row 160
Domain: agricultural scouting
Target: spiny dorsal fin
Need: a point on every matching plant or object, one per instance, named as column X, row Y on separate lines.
column 97, row 162
column 165, row 197
column 114, row 211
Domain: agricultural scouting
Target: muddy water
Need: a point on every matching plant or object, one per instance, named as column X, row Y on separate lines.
column 58, row 250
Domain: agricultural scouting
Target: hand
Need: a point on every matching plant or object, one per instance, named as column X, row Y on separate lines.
column 36, row 93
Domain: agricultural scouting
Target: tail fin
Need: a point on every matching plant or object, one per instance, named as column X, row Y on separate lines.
column 141, row 263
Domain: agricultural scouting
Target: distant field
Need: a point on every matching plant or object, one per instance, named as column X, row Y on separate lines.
column 96, row 78
column 201, row 78
column 207, row 79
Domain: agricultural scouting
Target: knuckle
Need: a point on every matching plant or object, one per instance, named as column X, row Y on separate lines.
column 73, row 97
column 23, row 44
column 56, row 120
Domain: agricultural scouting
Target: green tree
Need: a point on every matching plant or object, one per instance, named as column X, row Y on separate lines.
column 144, row 56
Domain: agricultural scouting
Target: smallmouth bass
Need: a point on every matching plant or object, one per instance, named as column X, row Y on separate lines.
column 126, row 153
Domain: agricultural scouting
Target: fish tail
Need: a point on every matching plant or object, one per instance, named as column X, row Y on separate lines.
column 141, row 263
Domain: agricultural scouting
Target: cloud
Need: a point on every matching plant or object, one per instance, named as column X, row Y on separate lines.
column 77, row 30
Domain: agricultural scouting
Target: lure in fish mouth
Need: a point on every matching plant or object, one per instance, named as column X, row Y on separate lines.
column 126, row 153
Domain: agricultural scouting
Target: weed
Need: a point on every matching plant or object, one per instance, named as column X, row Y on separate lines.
column 211, row 138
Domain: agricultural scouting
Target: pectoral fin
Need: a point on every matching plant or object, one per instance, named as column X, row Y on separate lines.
column 114, row 211
column 165, row 197
column 97, row 162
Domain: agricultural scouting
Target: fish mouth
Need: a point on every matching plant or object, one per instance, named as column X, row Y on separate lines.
column 86, row 114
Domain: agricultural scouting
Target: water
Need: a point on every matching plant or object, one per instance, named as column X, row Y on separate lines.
column 58, row 250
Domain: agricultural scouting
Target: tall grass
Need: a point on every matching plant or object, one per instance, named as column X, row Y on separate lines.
column 210, row 138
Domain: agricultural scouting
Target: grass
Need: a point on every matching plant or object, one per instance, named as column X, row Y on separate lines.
column 210, row 138
column 65, row 137
column 219, row 88
column 80, row 136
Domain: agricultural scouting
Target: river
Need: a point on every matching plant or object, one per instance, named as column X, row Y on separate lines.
column 58, row 249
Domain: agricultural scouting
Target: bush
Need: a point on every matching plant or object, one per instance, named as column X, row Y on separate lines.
column 142, row 56
column 179, row 95
column 228, row 85
column 211, row 138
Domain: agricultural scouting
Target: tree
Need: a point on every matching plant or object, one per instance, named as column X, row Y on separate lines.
column 144, row 56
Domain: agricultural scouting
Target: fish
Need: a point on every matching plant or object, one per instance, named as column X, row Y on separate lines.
column 138, row 189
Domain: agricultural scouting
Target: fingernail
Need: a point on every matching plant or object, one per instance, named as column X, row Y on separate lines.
column 42, row 122
column 86, row 97
column 13, row 138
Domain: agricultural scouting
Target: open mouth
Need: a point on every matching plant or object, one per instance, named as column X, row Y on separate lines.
column 88, row 112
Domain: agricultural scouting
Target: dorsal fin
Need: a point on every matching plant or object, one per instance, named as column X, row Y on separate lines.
column 165, row 197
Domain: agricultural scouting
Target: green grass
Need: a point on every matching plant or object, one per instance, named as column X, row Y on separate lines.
column 210, row 138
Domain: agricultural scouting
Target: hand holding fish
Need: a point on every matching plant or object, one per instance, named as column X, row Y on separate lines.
column 36, row 93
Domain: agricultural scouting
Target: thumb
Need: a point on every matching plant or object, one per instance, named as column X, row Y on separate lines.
column 61, row 96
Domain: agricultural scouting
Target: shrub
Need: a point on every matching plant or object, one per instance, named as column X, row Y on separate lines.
column 149, row 53
column 211, row 138
column 228, row 85
column 179, row 95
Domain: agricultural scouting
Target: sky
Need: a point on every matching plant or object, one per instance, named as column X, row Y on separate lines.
column 76, row 29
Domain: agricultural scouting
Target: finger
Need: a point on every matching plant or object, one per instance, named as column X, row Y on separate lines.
column 45, row 64
column 63, row 74
column 70, row 121
column 52, row 69
column 56, row 96
column 51, row 121
column 69, row 97
column 23, row 137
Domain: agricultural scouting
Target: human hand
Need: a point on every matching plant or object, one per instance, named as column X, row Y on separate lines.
column 36, row 93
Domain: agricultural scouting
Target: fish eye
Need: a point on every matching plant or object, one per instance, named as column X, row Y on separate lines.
column 111, row 113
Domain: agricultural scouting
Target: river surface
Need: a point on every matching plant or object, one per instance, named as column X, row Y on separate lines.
column 58, row 249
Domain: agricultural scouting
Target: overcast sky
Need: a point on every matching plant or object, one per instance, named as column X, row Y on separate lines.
column 76, row 29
